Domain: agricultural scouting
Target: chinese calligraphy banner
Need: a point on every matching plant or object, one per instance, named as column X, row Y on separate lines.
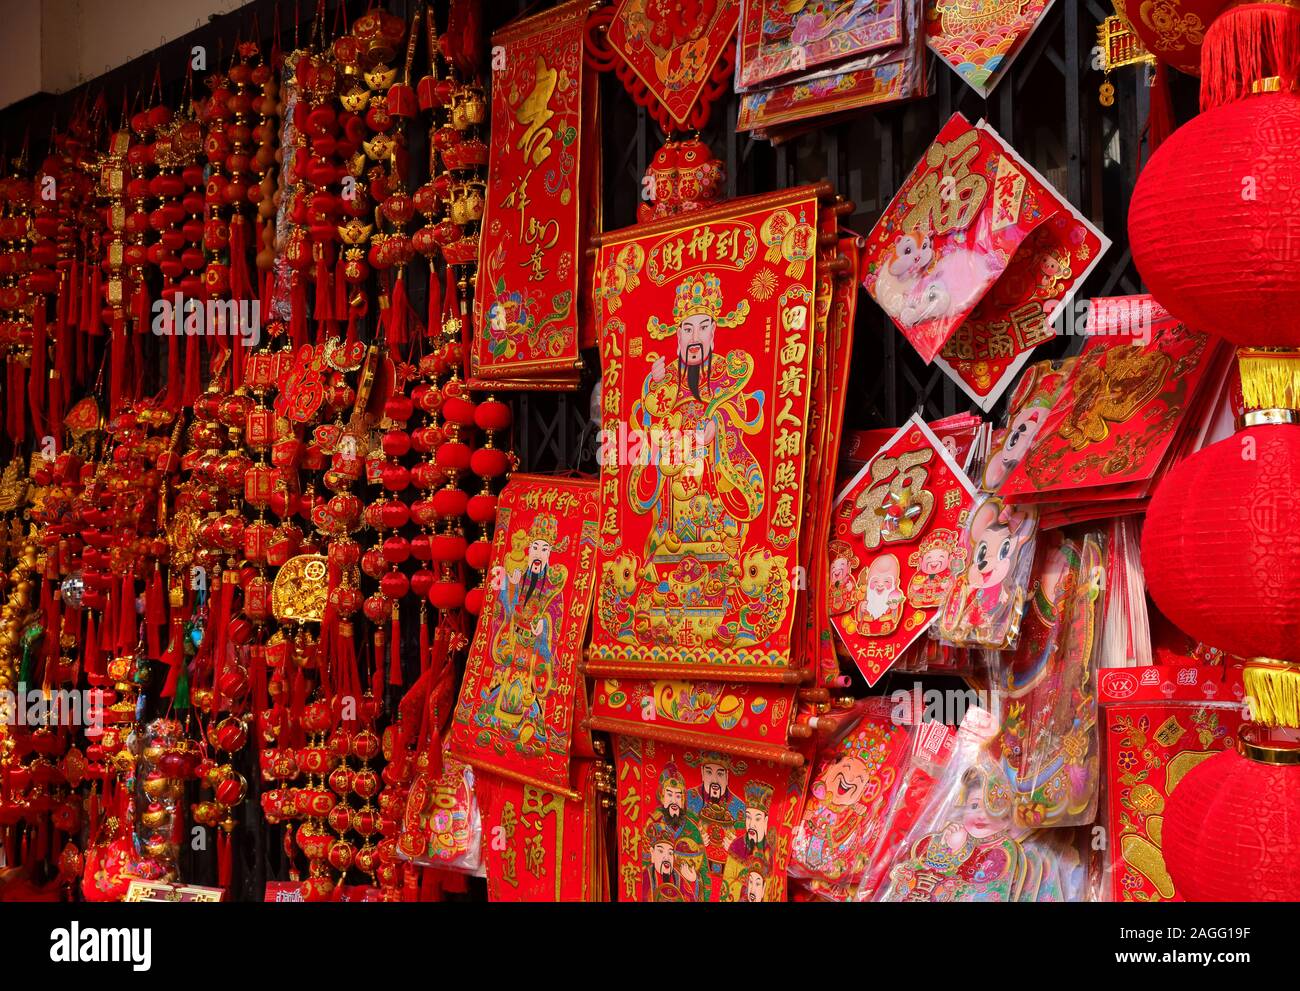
column 944, row 261
column 706, row 351
column 703, row 826
column 896, row 546
column 526, row 307
column 544, row 846
column 515, row 713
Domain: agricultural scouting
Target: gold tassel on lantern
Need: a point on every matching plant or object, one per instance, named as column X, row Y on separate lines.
column 1270, row 382
column 1272, row 692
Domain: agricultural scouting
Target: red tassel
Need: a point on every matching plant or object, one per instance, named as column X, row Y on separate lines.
column 117, row 364
column 224, row 859
column 193, row 368
column 174, row 657
column 424, row 641
column 298, row 311
column 261, row 694
column 36, row 378
column 155, row 616
column 14, row 390
column 89, row 300
column 127, row 626
column 1160, row 120
column 90, row 652
column 140, row 308
column 435, row 303
column 397, row 317
column 241, row 285
column 95, row 325
column 324, row 285
column 1247, row 43
column 395, row 650
column 340, row 290
column 430, row 888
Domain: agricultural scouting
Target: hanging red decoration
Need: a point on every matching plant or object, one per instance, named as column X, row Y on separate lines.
column 1220, row 550
column 1232, row 827
column 1225, row 186
column 1171, row 30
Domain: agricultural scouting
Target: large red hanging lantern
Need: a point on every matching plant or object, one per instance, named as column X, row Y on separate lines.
column 1221, row 548
column 1232, row 826
column 1214, row 222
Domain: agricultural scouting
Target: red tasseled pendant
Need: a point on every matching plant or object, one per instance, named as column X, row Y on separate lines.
column 224, row 860
column 14, row 406
column 174, row 656
column 155, row 615
column 324, row 285
column 36, row 379
column 260, row 692
column 395, row 649
column 298, row 332
column 90, row 653
column 95, row 323
column 340, row 289
column 127, row 626
column 117, row 365
column 193, row 368
column 435, row 304
column 424, row 640
column 397, row 317
column 241, row 285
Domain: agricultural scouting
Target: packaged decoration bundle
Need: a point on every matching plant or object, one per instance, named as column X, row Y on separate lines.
column 461, row 453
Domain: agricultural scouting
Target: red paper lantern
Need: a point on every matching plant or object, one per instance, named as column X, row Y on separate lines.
column 1213, row 219
column 1220, row 549
column 1171, row 30
column 1232, row 829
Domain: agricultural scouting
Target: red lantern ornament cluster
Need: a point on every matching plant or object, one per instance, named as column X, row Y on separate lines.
column 1219, row 548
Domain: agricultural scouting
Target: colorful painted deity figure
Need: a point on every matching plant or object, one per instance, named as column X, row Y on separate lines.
column 700, row 506
column 1047, row 746
column 852, row 786
column 529, row 588
column 519, row 695
column 707, row 369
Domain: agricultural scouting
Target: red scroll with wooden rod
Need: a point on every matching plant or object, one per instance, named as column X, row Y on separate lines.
column 516, row 707
column 526, row 319
column 706, row 349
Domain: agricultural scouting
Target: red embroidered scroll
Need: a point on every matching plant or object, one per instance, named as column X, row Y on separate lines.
column 707, row 348
column 701, row 826
column 515, row 713
column 540, row 846
column 526, row 315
